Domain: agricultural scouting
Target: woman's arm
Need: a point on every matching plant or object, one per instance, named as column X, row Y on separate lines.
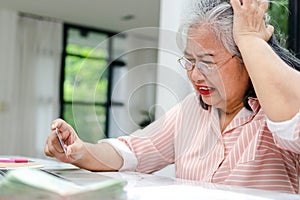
column 275, row 83
column 98, row 157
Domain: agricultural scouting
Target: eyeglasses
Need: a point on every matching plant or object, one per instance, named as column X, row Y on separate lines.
column 205, row 68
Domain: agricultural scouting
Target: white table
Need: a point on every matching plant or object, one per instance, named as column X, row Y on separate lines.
column 153, row 187
column 150, row 187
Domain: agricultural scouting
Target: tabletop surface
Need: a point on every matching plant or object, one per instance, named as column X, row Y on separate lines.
column 148, row 186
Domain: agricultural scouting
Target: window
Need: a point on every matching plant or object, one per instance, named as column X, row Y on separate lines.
column 88, row 66
column 294, row 22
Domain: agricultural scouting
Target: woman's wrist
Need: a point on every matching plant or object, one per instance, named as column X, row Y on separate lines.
column 246, row 40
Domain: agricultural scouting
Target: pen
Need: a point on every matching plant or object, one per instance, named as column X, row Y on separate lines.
column 62, row 144
column 13, row 160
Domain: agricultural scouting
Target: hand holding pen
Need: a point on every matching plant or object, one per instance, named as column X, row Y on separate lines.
column 63, row 143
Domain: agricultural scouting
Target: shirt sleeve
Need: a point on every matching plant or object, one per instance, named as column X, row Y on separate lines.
column 153, row 146
column 287, row 133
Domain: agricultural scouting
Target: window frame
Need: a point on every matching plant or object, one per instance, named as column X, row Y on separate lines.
column 111, row 63
column 293, row 24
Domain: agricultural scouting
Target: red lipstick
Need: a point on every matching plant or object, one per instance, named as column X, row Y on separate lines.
column 205, row 90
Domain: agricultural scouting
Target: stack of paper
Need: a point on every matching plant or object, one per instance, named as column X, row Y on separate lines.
column 29, row 183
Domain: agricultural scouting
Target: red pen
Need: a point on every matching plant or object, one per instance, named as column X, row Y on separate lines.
column 13, row 160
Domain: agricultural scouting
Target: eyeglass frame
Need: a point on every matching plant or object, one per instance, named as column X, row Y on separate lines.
column 210, row 70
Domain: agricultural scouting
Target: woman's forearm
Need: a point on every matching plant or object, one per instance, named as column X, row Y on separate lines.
column 99, row 157
column 275, row 83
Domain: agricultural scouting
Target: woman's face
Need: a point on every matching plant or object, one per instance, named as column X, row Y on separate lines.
column 225, row 87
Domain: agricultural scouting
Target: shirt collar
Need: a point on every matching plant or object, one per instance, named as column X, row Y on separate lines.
column 254, row 104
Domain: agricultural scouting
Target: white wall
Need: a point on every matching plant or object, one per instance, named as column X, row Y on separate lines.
column 173, row 84
column 136, row 86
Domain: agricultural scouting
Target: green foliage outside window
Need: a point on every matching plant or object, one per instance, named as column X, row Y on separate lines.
column 85, row 84
column 86, row 51
column 84, row 74
column 278, row 10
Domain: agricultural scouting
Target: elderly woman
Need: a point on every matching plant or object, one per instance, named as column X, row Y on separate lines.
column 243, row 125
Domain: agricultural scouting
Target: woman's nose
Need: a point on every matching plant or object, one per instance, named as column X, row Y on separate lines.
column 196, row 75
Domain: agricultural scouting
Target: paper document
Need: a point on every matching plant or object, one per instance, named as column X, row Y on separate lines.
column 37, row 183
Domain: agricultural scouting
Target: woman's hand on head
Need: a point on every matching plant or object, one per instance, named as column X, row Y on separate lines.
column 74, row 146
column 248, row 20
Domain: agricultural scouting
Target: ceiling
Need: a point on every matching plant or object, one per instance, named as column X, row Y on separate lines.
column 103, row 14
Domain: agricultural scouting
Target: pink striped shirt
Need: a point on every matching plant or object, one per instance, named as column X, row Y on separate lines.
column 246, row 153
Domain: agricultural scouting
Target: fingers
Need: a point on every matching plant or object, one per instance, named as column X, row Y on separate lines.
column 270, row 32
column 61, row 125
column 57, row 123
column 66, row 131
column 270, row 29
column 247, row 3
column 264, row 4
column 236, row 4
column 249, row 19
column 53, row 147
column 47, row 151
column 72, row 142
column 74, row 146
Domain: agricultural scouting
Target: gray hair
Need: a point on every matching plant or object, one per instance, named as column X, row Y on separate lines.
column 218, row 14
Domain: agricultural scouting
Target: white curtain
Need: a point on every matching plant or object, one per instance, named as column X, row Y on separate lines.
column 33, row 85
